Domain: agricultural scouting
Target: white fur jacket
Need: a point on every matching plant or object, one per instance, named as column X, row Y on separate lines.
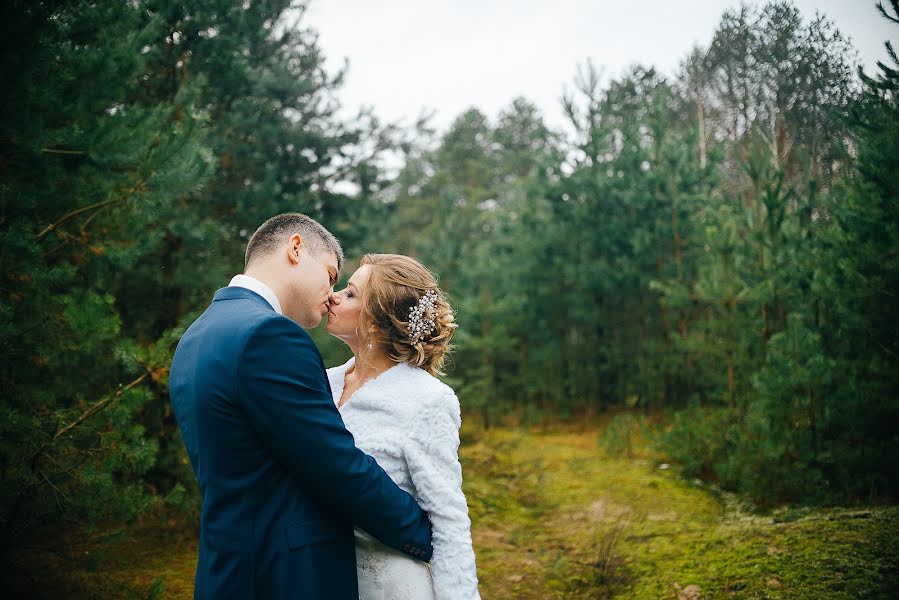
column 409, row 422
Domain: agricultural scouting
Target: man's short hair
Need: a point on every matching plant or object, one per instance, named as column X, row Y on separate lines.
column 275, row 231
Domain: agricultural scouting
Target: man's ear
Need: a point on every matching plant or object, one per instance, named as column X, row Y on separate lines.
column 295, row 248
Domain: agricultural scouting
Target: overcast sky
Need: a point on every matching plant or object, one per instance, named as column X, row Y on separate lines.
column 447, row 55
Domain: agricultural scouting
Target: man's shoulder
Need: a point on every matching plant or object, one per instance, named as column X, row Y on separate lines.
column 236, row 324
column 247, row 313
column 275, row 344
column 271, row 328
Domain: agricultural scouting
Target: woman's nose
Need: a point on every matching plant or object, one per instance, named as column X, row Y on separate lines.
column 334, row 298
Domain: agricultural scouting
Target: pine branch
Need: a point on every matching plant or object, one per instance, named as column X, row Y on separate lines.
column 891, row 52
column 11, row 531
column 75, row 213
column 57, row 493
column 885, row 14
column 87, row 222
column 97, row 407
column 97, row 207
column 86, row 415
column 72, row 152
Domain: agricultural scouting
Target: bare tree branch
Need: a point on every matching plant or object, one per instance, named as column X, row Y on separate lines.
column 75, row 213
column 98, row 407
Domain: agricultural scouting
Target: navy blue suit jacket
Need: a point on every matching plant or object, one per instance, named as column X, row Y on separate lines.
column 282, row 481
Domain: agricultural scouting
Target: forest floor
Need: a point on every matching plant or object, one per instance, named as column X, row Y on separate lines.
column 555, row 517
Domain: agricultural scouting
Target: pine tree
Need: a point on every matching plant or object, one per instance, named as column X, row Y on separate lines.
column 87, row 163
column 858, row 285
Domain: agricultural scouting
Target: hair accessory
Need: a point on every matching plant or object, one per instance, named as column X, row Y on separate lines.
column 419, row 325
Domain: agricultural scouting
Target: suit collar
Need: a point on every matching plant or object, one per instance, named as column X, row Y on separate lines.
column 254, row 285
column 239, row 293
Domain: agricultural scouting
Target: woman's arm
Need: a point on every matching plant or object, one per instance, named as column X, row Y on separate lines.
column 432, row 456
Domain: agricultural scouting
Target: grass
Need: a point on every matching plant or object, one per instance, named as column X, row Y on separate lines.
column 555, row 516
column 149, row 560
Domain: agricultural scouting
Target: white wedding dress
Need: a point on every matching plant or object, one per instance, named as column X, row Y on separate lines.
column 409, row 421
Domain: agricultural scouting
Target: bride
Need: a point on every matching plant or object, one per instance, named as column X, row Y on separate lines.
column 398, row 325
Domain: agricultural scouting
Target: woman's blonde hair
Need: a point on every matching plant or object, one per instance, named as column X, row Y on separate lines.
column 396, row 285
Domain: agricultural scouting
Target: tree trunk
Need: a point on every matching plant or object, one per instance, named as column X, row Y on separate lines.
column 701, row 118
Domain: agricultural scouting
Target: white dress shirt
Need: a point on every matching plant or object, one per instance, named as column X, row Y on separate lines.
column 254, row 285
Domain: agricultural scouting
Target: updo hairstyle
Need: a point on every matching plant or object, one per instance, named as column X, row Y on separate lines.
column 395, row 286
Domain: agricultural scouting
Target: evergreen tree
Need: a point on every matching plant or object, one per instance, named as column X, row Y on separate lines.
column 88, row 162
column 140, row 144
column 858, row 286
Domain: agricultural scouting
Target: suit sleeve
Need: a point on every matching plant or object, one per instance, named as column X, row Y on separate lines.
column 433, row 459
column 285, row 393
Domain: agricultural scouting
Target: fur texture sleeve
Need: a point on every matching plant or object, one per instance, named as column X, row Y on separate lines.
column 432, row 456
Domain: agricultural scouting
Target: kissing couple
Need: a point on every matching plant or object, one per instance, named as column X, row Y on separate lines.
column 337, row 484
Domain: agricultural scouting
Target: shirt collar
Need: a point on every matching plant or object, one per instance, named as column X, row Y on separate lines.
column 254, row 285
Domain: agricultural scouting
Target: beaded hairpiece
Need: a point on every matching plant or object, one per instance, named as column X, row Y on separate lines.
column 419, row 326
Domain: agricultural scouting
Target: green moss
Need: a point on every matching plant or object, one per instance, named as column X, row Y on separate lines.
column 555, row 516
column 567, row 520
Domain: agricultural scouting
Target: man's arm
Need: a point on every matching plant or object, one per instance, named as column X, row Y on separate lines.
column 285, row 393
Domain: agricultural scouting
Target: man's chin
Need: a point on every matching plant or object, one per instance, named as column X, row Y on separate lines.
column 308, row 322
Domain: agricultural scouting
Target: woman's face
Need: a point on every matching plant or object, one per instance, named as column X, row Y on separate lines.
column 346, row 307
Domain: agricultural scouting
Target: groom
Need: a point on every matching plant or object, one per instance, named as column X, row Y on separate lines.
column 281, row 479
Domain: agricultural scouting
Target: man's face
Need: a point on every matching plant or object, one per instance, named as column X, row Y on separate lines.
column 313, row 282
